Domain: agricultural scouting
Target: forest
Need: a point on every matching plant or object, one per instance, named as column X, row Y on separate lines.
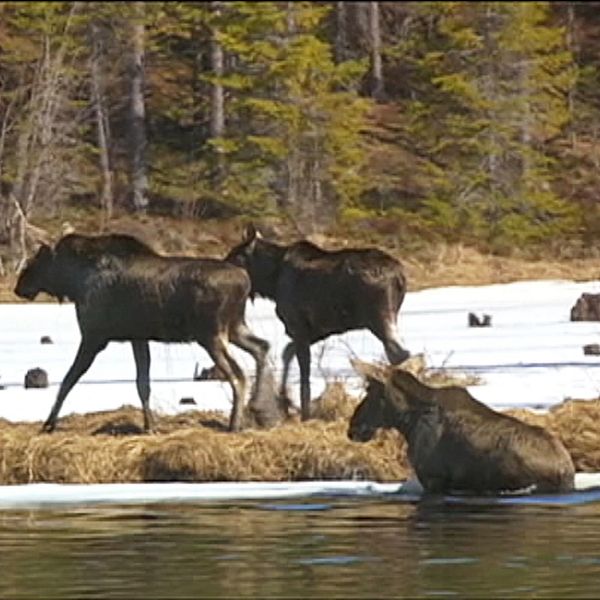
column 475, row 122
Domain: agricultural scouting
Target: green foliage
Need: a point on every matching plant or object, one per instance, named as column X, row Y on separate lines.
column 494, row 79
column 299, row 117
column 476, row 139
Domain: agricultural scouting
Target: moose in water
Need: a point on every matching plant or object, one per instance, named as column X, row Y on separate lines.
column 318, row 293
column 457, row 444
column 124, row 291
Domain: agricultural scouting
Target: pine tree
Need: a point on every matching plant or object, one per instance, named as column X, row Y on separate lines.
column 495, row 78
column 298, row 144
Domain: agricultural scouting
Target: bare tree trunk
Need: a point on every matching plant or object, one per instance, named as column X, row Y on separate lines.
column 293, row 177
column 36, row 137
column 526, row 122
column 217, row 109
column 199, row 88
column 106, row 197
column 341, row 31
column 290, row 20
column 595, row 156
column 377, row 90
column 491, row 94
column 293, row 158
column 139, row 177
column 217, row 120
column 572, row 46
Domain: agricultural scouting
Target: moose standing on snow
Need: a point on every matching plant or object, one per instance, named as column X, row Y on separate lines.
column 124, row 291
column 319, row 293
column 456, row 443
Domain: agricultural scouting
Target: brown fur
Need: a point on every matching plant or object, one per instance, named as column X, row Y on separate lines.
column 319, row 293
column 124, row 291
column 458, row 444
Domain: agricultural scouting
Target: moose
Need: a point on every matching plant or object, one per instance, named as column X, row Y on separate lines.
column 457, row 444
column 124, row 291
column 318, row 293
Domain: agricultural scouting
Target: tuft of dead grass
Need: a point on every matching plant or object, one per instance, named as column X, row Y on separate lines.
column 108, row 447
column 417, row 365
column 577, row 424
column 427, row 264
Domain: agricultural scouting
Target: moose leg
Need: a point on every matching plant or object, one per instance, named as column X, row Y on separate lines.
column 141, row 354
column 235, row 376
column 386, row 331
column 263, row 400
column 303, row 354
column 242, row 337
column 85, row 356
column 288, row 353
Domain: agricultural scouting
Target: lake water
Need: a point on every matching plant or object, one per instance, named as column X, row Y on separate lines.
column 340, row 547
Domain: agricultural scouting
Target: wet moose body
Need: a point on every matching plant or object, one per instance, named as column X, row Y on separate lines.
column 457, row 444
column 319, row 293
column 124, row 291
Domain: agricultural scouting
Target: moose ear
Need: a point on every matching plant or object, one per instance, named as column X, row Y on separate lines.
column 44, row 251
column 370, row 371
column 409, row 384
column 251, row 233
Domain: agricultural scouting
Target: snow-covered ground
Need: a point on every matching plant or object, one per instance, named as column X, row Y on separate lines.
column 40, row 495
column 531, row 356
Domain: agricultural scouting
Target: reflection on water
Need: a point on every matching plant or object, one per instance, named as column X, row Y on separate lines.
column 318, row 548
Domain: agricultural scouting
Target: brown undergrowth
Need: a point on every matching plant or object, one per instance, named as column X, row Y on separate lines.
column 427, row 263
column 195, row 446
column 108, row 447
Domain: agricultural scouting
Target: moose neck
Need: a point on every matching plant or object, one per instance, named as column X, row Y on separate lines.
column 413, row 423
column 69, row 280
column 266, row 266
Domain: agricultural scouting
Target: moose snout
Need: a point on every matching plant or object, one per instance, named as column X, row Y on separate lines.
column 24, row 292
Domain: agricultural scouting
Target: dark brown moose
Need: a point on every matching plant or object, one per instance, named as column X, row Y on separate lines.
column 124, row 291
column 319, row 293
column 457, row 444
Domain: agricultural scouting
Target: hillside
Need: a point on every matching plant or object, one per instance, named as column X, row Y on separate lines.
column 427, row 263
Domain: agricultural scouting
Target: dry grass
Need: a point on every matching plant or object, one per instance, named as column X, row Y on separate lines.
column 446, row 265
column 427, row 265
column 577, row 424
column 107, row 447
column 194, row 446
column 434, row 376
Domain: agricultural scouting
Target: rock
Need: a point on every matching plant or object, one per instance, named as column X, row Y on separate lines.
column 187, row 401
column 46, row 339
column 36, row 378
column 592, row 349
column 208, row 374
column 475, row 321
column 587, row 308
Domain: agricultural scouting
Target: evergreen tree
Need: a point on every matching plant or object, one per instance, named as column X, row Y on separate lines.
column 494, row 85
column 295, row 141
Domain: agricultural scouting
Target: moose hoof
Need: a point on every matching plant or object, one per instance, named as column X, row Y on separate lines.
column 406, row 356
column 235, row 425
column 48, row 427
